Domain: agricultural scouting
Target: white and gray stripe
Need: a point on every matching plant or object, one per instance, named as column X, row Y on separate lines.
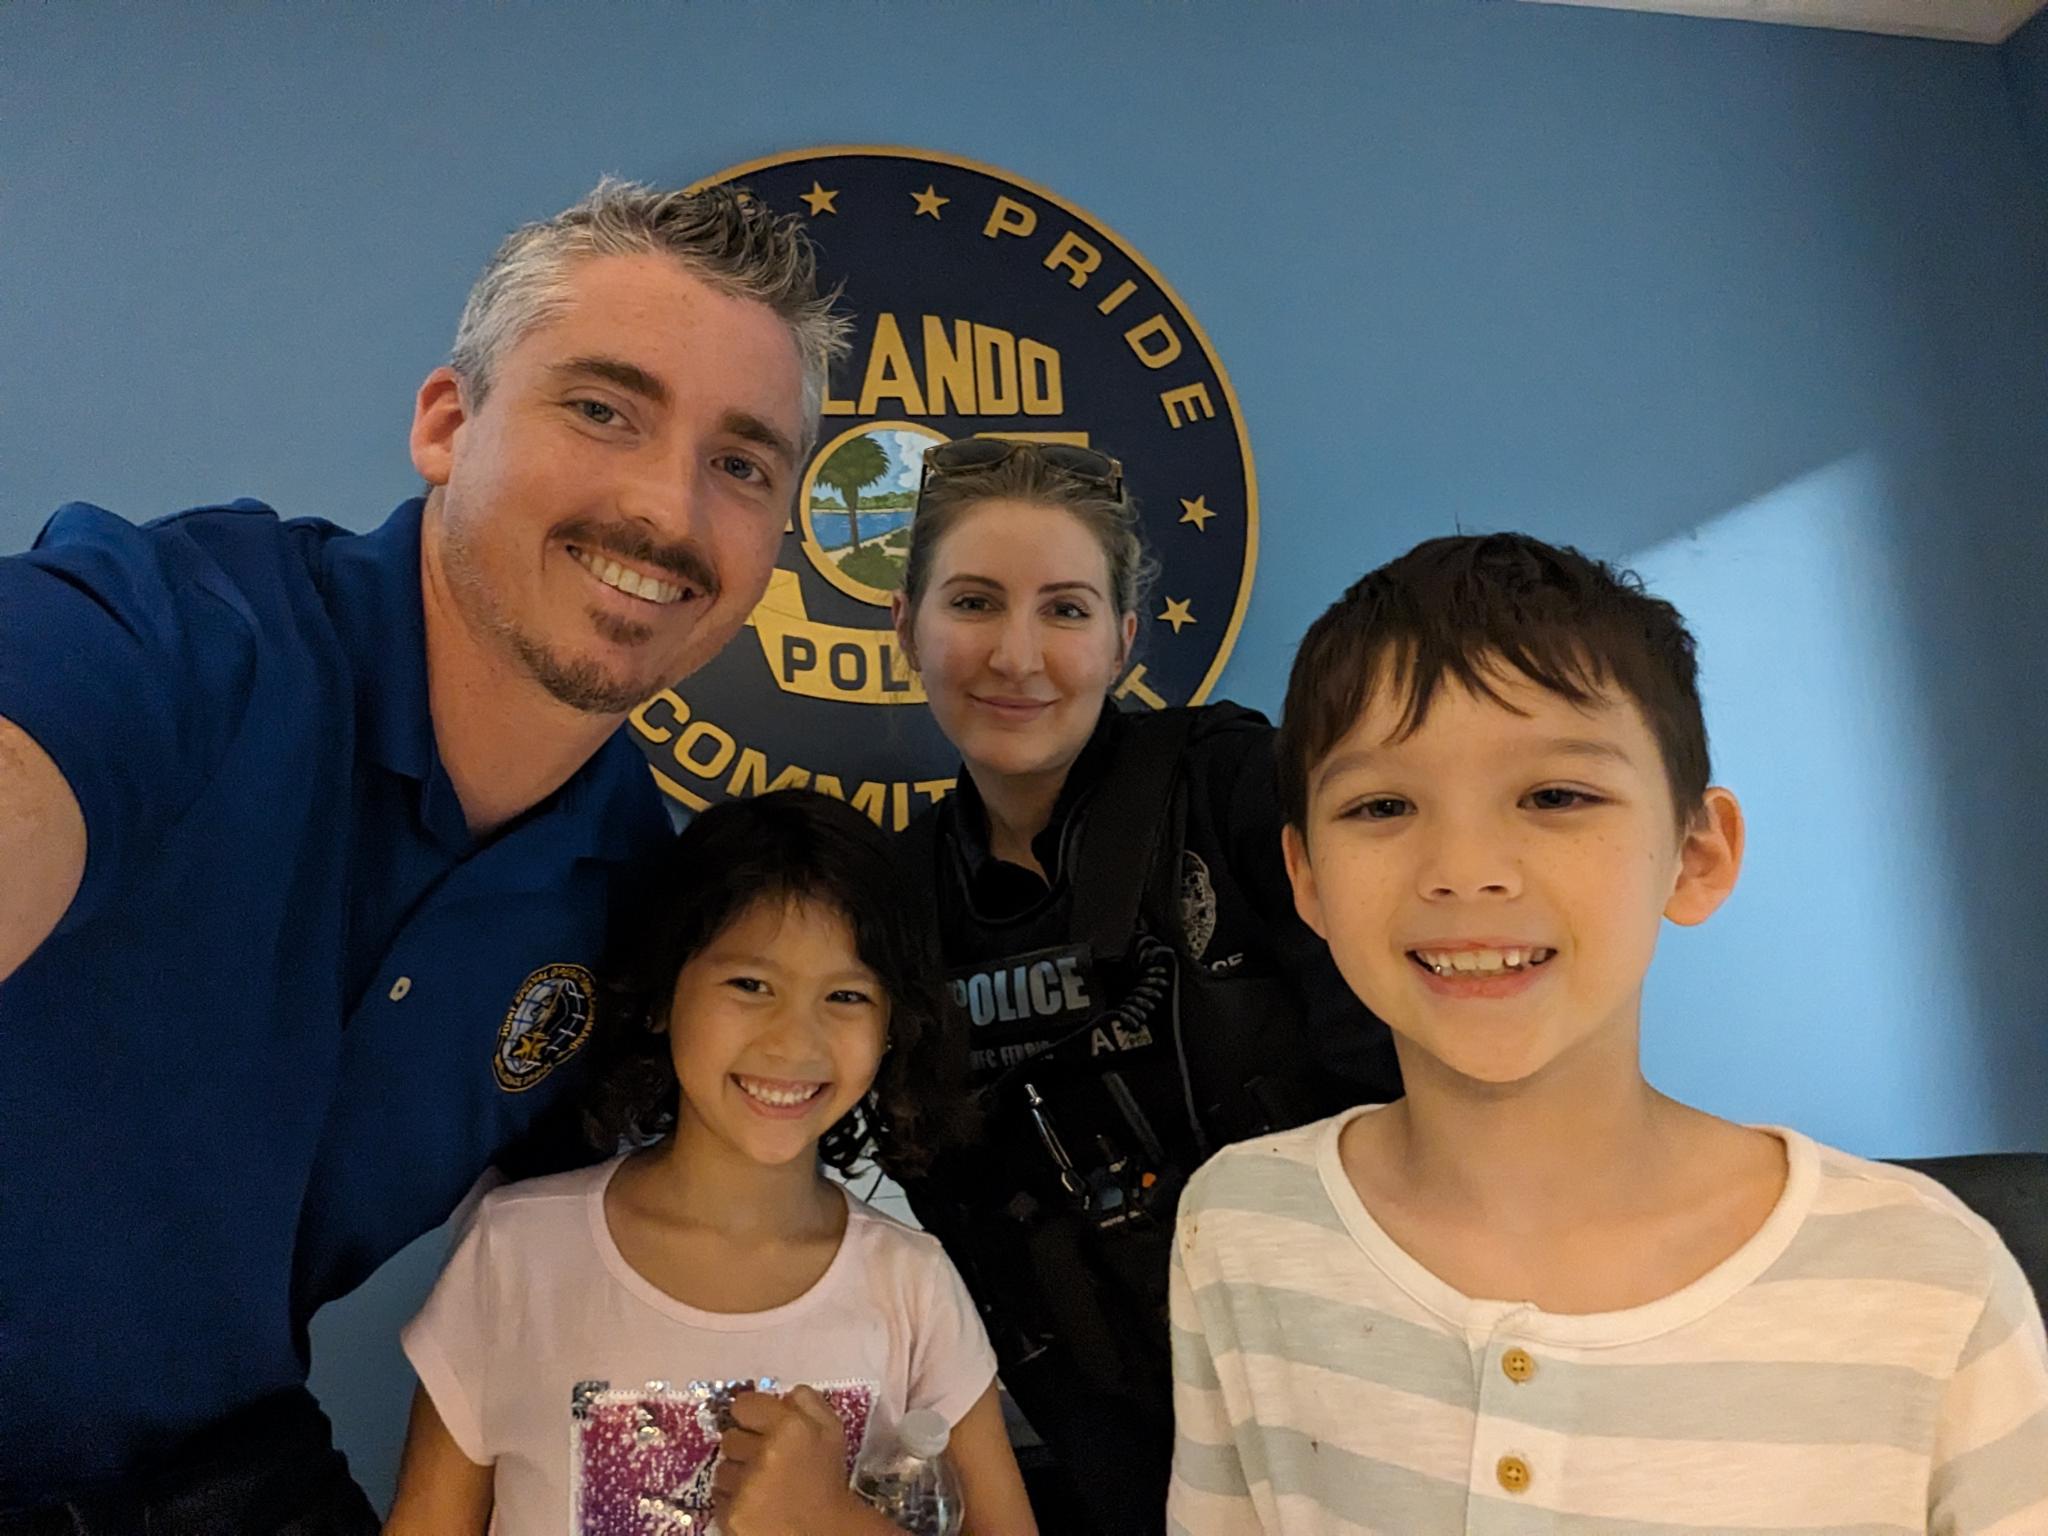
column 1870, row 1364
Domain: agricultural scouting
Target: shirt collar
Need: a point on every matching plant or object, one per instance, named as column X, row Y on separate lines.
column 373, row 588
column 611, row 806
column 373, row 583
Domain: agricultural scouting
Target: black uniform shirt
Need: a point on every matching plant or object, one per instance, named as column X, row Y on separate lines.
column 1002, row 892
column 1075, row 1305
column 1237, row 908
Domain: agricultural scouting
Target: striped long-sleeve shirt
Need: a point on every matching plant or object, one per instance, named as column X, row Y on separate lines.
column 1870, row 1363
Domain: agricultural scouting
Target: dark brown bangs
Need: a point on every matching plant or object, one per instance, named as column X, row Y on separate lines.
column 1481, row 611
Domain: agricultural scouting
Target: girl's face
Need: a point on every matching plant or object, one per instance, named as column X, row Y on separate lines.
column 1017, row 637
column 776, row 1029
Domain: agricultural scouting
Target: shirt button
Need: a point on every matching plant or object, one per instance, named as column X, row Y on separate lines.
column 1518, row 1365
column 1513, row 1473
column 399, row 988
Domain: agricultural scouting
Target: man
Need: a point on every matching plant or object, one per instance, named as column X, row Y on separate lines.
column 307, row 841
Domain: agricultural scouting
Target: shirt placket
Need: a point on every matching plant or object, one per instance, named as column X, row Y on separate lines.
column 1509, row 1471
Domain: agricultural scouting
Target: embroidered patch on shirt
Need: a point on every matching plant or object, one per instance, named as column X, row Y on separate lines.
column 642, row 1458
column 547, row 1024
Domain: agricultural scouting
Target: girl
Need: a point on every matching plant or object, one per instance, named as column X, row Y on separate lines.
column 1108, row 892
column 706, row 1328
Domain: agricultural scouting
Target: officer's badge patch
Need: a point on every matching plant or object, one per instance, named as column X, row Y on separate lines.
column 546, row 1025
column 1197, row 903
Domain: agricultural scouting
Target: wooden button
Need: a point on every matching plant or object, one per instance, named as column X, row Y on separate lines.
column 1513, row 1473
column 399, row 988
column 1518, row 1364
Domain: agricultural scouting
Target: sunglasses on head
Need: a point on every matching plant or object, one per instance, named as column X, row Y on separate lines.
column 975, row 453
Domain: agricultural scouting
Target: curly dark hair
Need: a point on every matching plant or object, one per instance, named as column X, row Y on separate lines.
column 790, row 845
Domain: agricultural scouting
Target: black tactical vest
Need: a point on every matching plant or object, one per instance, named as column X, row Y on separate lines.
column 1108, row 1066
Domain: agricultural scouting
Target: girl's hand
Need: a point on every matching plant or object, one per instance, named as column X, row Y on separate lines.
column 784, row 1470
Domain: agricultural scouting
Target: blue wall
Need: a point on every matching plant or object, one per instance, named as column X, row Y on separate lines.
column 1758, row 308
column 2025, row 57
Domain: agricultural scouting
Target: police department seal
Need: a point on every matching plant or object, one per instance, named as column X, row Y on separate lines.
column 982, row 305
column 547, row 1024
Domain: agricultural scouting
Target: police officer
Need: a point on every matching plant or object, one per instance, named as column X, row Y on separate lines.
column 1125, row 961
column 307, row 841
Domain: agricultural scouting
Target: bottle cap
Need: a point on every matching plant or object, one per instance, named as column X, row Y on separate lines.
column 923, row 1433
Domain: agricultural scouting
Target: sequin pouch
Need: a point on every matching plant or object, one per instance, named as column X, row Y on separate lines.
column 642, row 1458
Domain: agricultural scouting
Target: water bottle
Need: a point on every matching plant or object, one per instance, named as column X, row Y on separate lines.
column 911, row 1481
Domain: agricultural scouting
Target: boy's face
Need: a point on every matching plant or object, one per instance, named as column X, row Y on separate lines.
column 1492, row 886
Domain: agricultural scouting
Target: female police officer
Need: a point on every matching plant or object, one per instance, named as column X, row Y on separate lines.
column 1132, row 982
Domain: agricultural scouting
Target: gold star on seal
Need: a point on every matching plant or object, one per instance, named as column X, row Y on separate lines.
column 929, row 201
column 819, row 199
column 1177, row 614
column 1197, row 512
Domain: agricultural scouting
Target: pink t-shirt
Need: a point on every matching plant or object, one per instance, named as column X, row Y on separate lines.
column 595, row 1396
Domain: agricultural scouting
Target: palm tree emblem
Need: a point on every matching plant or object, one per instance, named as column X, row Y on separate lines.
column 852, row 467
column 858, row 501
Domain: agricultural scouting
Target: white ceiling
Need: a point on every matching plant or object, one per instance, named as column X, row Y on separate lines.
column 1967, row 21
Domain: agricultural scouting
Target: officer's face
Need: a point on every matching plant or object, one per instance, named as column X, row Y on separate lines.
column 1493, row 885
column 1017, row 638
column 776, row 1030
column 609, row 513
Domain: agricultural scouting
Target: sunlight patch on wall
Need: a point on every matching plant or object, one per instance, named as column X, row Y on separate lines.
column 1832, row 992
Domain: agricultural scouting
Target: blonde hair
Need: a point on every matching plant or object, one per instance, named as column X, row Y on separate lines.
column 1026, row 476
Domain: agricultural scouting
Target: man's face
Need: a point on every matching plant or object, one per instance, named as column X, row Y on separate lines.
column 609, row 514
column 1493, row 885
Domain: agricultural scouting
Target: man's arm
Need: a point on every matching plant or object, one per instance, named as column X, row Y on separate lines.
column 124, row 673
column 42, row 847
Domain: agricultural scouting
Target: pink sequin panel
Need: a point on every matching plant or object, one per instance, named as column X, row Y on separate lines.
column 642, row 1458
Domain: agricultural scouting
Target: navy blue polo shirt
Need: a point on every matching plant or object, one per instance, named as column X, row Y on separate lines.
column 295, row 1010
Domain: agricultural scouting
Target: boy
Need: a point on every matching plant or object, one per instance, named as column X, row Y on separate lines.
column 1495, row 776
